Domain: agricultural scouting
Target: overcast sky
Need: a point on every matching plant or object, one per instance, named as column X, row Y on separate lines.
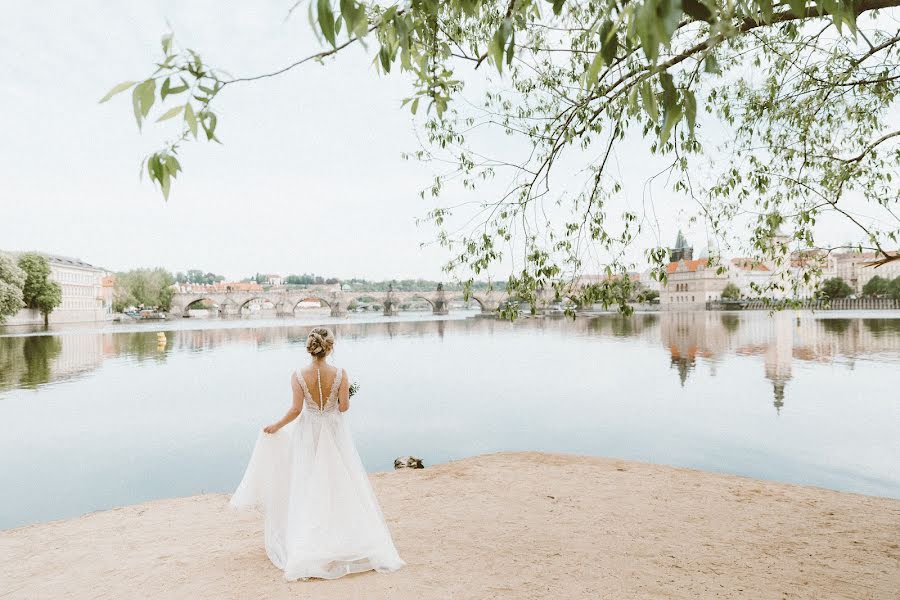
column 309, row 179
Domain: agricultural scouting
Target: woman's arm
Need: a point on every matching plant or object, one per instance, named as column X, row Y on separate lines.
column 344, row 393
column 294, row 411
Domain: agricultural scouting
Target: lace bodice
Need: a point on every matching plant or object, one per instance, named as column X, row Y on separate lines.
column 331, row 400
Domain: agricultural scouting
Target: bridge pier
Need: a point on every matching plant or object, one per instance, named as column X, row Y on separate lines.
column 337, row 304
column 284, row 309
column 440, row 306
column 391, row 304
column 230, row 309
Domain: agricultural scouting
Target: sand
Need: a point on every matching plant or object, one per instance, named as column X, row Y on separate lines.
column 509, row 525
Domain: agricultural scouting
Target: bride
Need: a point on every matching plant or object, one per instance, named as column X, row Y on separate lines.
column 321, row 516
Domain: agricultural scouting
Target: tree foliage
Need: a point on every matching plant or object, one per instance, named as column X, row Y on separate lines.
column 199, row 277
column 731, row 292
column 894, row 289
column 876, row 287
column 39, row 292
column 802, row 95
column 150, row 288
column 835, row 288
column 12, row 279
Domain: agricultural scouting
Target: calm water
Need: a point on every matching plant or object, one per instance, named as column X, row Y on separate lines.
column 96, row 418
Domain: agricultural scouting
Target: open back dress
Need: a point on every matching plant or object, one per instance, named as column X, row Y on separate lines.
column 321, row 515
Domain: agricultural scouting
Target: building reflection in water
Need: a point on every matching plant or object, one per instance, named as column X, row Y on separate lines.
column 690, row 338
column 779, row 338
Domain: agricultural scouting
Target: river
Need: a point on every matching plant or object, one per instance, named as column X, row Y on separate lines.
column 99, row 416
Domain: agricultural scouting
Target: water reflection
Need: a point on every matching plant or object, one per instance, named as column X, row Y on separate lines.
column 28, row 361
column 780, row 339
column 116, row 409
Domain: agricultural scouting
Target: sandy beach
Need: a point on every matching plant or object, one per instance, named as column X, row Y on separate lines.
column 509, row 525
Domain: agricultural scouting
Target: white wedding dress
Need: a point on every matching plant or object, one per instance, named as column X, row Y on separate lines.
column 321, row 515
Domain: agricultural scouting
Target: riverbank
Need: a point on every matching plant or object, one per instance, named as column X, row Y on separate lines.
column 508, row 525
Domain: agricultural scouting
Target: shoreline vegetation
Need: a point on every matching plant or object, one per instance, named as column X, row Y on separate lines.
column 505, row 525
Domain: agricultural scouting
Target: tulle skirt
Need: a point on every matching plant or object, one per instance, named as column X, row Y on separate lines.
column 321, row 515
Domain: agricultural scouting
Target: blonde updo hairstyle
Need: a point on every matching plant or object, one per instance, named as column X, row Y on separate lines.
column 320, row 342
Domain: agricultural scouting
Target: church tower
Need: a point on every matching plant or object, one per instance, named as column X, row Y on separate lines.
column 682, row 250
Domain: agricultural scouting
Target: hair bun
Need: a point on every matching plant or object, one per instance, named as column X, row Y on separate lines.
column 319, row 342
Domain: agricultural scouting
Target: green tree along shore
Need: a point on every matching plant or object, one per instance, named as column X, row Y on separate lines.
column 578, row 80
column 26, row 283
column 39, row 292
column 835, row 288
column 731, row 292
column 144, row 287
column 12, row 280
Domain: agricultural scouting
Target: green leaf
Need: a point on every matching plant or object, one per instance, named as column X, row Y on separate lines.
column 608, row 42
column 117, row 90
column 690, row 108
column 350, row 14
column 147, row 94
column 172, row 165
column 669, row 95
column 326, row 21
column 164, row 90
column 415, row 106
column 711, row 65
column 354, row 14
column 172, row 112
column 384, row 55
column 633, row 101
column 177, row 90
column 765, row 8
column 190, row 118
column 166, row 43
column 798, row 7
column 136, row 103
column 165, row 183
column 497, row 45
column 558, row 6
column 593, row 70
column 648, row 100
column 673, row 115
column 210, row 128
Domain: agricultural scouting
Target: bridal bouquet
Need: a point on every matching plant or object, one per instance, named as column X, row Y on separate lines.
column 354, row 387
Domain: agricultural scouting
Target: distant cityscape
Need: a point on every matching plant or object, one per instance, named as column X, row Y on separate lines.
column 91, row 293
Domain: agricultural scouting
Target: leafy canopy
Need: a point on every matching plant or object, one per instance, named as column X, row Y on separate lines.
column 39, row 292
column 835, row 288
column 12, row 279
column 731, row 292
column 144, row 287
column 802, row 95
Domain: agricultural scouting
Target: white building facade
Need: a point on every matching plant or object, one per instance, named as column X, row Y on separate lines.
column 86, row 294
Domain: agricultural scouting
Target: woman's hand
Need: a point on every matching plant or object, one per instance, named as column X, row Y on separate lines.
column 272, row 428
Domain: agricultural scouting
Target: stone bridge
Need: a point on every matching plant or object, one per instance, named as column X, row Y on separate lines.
column 286, row 300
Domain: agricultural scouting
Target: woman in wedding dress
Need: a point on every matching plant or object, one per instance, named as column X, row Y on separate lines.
column 321, row 515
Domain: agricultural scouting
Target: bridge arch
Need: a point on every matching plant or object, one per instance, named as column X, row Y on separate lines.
column 367, row 298
column 242, row 303
column 416, row 296
column 186, row 306
column 295, row 302
column 461, row 298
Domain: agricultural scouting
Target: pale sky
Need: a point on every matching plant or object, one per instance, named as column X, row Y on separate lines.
column 309, row 179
